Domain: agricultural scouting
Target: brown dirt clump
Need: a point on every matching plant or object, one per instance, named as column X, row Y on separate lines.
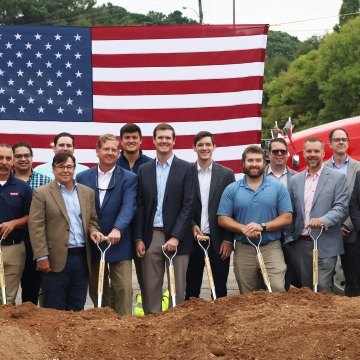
column 294, row 325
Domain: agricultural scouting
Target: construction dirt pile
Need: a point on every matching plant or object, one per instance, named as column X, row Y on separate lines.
column 294, row 325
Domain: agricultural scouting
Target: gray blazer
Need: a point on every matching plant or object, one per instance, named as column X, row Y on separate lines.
column 289, row 174
column 331, row 204
column 354, row 167
column 221, row 177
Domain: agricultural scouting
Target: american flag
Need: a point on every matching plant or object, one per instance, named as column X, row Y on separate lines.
column 91, row 81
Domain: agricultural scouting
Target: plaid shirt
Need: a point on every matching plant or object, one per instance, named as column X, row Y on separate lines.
column 35, row 180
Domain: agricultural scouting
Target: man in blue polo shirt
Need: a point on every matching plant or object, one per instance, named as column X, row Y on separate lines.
column 15, row 199
column 252, row 206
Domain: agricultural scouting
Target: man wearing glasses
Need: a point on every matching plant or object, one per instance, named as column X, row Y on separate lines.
column 23, row 160
column 62, row 219
column 115, row 201
column 279, row 171
column 341, row 161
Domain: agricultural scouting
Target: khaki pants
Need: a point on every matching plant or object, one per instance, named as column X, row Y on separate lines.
column 246, row 267
column 119, row 295
column 14, row 262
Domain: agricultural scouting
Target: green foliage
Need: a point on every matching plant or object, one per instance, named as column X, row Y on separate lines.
column 320, row 86
column 348, row 7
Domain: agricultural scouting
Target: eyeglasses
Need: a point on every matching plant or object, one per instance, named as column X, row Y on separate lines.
column 20, row 156
column 110, row 186
column 65, row 167
column 279, row 152
column 340, row 139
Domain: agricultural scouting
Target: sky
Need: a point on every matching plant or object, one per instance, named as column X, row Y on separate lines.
column 300, row 18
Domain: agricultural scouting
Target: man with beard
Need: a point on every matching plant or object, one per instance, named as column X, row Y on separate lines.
column 319, row 197
column 255, row 208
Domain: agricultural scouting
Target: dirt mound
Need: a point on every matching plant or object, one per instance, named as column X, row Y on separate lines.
column 294, row 325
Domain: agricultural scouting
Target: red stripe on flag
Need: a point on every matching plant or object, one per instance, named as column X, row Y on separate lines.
column 182, row 141
column 174, row 115
column 178, row 59
column 178, row 87
column 172, row 32
column 235, row 165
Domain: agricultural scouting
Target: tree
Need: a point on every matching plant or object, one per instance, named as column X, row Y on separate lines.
column 348, row 7
column 17, row 12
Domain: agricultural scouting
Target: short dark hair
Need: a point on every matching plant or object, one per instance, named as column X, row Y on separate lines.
column 200, row 135
column 61, row 158
column 163, row 126
column 64, row 134
column 255, row 150
column 312, row 140
column 277, row 140
column 332, row 133
column 22, row 144
column 130, row 128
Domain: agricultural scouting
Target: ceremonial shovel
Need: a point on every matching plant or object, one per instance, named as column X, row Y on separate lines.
column 261, row 262
column 203, row 238
column 171, row 275
column 101, row 272
column 2, row 276
column 315, row 259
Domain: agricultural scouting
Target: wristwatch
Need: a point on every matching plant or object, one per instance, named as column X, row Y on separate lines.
column 263, row 225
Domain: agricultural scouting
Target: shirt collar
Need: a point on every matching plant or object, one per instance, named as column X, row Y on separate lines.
column 318, row 173
column 270, row 171
column 100, row 172
column 208, row 169
column 168, row 161
column 61, row 186
column 341, row 165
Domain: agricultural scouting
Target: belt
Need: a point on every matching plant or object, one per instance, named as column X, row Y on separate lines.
column 305, row 237
column 76, row 250
column 247, row 243
column 157, row 228
column 8, row 242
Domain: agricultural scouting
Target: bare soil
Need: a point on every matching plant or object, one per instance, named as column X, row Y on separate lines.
column 294, row 325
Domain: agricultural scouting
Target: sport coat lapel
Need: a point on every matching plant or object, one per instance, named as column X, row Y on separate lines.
column 56, row 194
column 324, row 176
column 171, row 177
column 83, row 206
column 350, row 176
column 301, row 181
column 215, row 178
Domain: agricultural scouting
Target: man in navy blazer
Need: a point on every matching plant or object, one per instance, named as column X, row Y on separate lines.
column 166, row 194
column 319, row 197
column 115, row 201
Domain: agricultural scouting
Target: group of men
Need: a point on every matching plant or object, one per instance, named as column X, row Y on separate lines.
column 142, row 207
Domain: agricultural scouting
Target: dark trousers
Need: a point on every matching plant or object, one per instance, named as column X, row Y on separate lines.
column 350, row 262
column 67, row 290
column 194, row 275
column 31, row 279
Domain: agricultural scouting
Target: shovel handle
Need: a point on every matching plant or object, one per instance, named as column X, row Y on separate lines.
column 210, row 276
column 263, row 271
column 203, row 237
column 101, row 281
column 172, row 283
column 315, row 269
column 2, row 279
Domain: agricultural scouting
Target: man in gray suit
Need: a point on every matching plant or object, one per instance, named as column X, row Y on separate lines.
column 212, row 181
column 320, row 199
column 278, row 171
column 341, row 161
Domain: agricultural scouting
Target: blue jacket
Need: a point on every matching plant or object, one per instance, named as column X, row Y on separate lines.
column 117, row 210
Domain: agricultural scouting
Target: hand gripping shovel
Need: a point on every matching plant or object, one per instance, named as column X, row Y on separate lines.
column 171, row 275
column 316, row 259
column 101, row 272
column 200, row 239
column 261, row 262
column 2, row 276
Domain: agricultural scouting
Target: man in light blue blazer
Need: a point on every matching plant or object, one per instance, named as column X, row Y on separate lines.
column 319, row 197
column 115, row 202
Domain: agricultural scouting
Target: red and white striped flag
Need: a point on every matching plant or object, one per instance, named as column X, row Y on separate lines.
column 93, row 81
